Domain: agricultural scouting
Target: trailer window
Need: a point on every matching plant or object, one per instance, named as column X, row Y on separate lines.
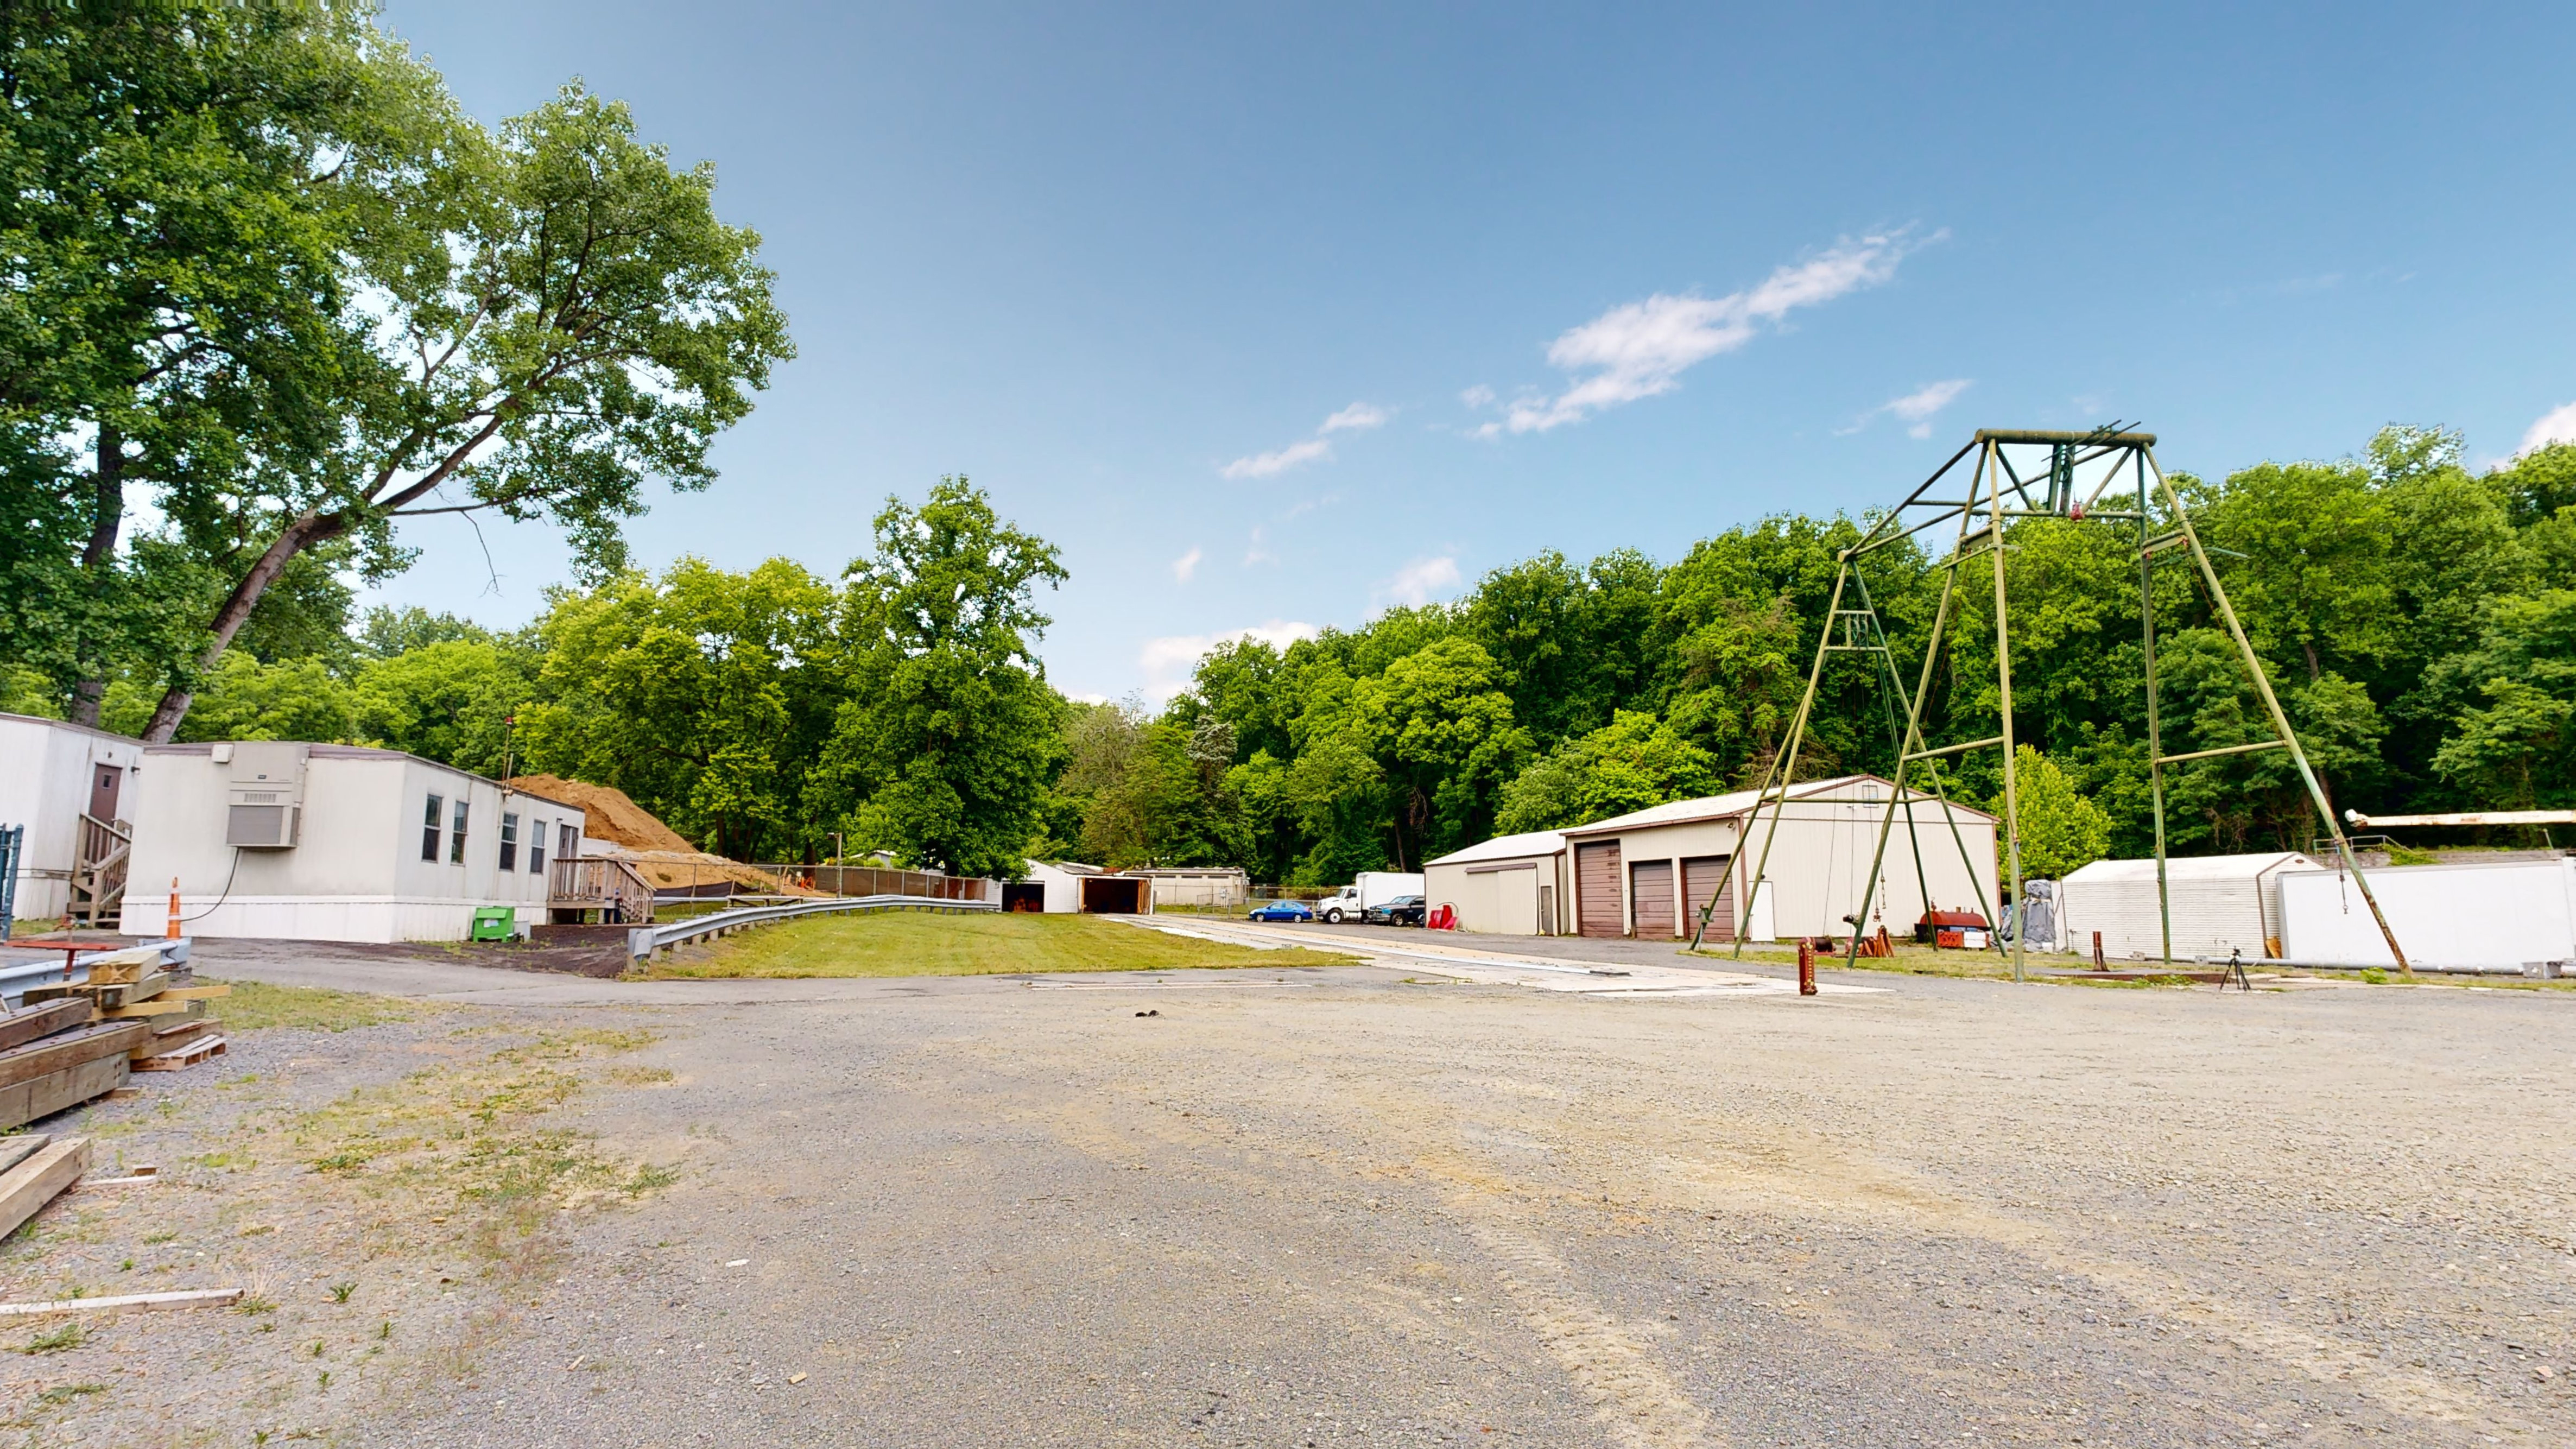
column 456, row 838
column 536, row 847
column 509, row 841
column 429, row 830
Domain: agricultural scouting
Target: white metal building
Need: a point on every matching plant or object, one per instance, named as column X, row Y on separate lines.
column 2219, row 904
column 1647, row 874
column 334, row 843
column 1509, row 885
column 1050, row 888
column 54, row 777
column 1217, row 886
column 2505, row 913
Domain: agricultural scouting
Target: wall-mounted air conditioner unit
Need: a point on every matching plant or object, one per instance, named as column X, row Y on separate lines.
column 265, row 807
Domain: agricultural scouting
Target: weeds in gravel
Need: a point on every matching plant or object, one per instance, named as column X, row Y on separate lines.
column 465, row 1138
column 258, row 1006
column 57, row 1339
column 65, row 1393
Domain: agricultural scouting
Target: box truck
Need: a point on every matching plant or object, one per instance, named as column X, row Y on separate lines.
column 1372, row 888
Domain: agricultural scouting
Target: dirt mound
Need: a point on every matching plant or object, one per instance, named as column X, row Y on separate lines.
column 612, row 816
column 660, row 854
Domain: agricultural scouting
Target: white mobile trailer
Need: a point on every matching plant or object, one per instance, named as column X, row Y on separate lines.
column 52, row 776
column 2508, row 913
column 316, row 842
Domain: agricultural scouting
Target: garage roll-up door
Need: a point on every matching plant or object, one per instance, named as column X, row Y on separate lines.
column 1597, row 888
column 1652, row 903
column 1706, row 878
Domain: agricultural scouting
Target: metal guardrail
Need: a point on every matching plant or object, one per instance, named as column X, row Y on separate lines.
column 16, row 977
column 647, row 941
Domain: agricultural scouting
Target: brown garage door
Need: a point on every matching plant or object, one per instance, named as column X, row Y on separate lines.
column 1596, row 887
column 1706, row 877
column 1652, row 901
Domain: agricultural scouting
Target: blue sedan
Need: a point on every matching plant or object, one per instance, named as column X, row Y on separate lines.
column 1283, row 911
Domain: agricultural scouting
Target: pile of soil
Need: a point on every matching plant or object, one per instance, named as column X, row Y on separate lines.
column 610, row 814
column 663, row 856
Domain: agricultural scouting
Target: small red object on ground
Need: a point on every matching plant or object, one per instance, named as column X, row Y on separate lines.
column 1806, row 967
column 1444, row 917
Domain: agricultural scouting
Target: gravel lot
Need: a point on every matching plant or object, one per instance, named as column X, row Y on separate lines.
column 1333, row 1208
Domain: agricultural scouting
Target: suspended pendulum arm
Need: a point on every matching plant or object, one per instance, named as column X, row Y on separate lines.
column 1785, row 764
column 2155, row 724
column 2272, row 706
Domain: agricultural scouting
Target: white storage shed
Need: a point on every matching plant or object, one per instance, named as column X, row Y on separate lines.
column 2219, row 904
column 312, row 842
column 1051, row 888
column 71, row 789
column 2505, row 913
column 1648, row 874
column 1511, row 885
column 1219, row 886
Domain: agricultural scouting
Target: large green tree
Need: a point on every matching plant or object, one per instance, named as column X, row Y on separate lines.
column 179, row 181
column 554, row 314
column 950, row 737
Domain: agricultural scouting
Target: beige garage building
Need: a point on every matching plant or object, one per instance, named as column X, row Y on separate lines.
column 1647, row 874
column 1512, row 885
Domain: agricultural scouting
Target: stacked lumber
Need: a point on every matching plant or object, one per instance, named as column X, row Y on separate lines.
column 34, row 1170
column 75, row 1042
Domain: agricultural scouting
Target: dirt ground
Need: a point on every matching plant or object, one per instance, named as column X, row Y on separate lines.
column 1335, row 1207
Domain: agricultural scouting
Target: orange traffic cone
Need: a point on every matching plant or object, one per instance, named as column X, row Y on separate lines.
column 171, row 931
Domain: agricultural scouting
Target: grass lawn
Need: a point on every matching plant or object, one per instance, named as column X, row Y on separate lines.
column 256, row 1004
column 925, row 943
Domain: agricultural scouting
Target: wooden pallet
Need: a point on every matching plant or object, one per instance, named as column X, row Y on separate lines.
column 180, row 1058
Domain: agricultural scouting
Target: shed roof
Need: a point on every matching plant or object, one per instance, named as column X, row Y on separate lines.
column 368, row 752
column 2193, row 867
column 1738, row 802
column 1507, row 847
column 61, row 724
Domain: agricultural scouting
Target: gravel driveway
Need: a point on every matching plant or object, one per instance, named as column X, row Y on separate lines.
column 1332, row 1208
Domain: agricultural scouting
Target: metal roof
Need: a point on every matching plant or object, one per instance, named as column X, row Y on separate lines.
column 1738, row 802
column 2195, row 867
column 1507, row 847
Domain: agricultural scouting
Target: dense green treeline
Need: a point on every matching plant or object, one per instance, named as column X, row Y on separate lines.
column 2417, row 620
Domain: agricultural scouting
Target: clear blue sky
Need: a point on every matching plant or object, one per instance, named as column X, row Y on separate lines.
column 1569, row 277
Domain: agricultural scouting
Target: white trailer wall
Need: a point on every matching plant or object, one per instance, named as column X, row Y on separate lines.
column 2509, row 913
column 1510, row 885
column 356, row 872
column 45, row 785
column 2220, row 904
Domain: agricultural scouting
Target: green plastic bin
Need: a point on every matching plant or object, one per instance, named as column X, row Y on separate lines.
column 494, row 923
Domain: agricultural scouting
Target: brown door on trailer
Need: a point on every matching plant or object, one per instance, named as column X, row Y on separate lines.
column 1596, row 888
column 1706, row 878
column 106, row 782
column 1651, row 886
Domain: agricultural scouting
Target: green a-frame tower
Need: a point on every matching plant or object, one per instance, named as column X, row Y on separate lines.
column 2106, row 476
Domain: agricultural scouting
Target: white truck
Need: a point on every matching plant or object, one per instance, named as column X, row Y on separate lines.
column 1371, row 888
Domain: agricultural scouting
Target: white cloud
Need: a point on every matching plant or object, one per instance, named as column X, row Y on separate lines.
column 1357, row 415
column 2554, row 427
column 1263, row 465
column 1916, row 407
column 1641, row 349
column 1478, row 396
column 1168, row 661
column 1417, row 581
column 1187, row 564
